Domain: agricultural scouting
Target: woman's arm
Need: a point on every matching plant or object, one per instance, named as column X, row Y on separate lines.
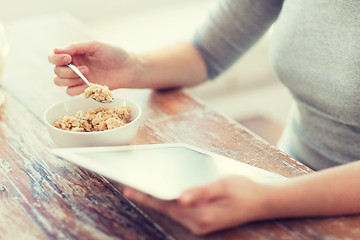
column 177, row 65
column 330, row 192
column 235, row 200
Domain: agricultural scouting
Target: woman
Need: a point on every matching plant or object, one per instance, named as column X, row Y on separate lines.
column 314, row 52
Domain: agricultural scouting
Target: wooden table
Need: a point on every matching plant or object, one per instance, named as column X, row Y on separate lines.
column 43, row 197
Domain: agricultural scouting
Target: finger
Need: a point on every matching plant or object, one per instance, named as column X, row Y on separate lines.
column 59, row 59
column 68, row 82
column 129, row 192
column 66, row 72
column 76, row 90
column 77, row 48
column 147, row 200
column 202, row 193
column 187, row 216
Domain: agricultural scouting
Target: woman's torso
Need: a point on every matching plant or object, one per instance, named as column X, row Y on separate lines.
column 315, row 52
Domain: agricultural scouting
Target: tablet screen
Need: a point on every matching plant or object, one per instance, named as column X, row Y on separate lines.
column 162, row 170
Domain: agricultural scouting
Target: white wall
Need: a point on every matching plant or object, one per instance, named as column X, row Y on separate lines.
column 86, row 10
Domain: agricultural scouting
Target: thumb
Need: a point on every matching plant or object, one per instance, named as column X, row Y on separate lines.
column 202, row 193
column 77, row 48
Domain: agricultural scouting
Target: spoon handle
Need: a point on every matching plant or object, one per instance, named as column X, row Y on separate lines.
column 77, row 71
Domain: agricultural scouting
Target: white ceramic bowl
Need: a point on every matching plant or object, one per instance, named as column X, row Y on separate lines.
column 118, row 136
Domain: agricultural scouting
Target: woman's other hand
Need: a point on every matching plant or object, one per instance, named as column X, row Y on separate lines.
column 228, row 202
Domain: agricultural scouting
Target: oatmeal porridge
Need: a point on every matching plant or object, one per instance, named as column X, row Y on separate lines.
column 98, row 119
column 98, row 92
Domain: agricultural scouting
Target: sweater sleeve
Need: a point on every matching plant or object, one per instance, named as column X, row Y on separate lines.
column 231, row 29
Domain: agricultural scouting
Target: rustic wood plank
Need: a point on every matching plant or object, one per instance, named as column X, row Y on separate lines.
column 11, row 211
column 336, row 228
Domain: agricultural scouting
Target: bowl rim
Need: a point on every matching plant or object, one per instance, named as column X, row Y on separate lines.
column 95, row 132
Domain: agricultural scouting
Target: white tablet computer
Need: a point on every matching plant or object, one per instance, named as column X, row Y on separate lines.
column 161, row 170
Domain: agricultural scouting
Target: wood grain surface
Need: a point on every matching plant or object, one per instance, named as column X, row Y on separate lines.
column 44, row 197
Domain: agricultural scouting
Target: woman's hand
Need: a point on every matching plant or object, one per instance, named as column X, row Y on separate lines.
column 225, row 203
column 99, row 62
column 177, row 65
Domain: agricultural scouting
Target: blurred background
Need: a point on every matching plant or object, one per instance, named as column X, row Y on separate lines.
column 248, row 92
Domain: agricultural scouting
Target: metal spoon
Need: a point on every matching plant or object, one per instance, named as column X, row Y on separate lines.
column 77, row 71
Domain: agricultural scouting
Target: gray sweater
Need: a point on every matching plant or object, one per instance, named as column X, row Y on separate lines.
column 315, row 52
